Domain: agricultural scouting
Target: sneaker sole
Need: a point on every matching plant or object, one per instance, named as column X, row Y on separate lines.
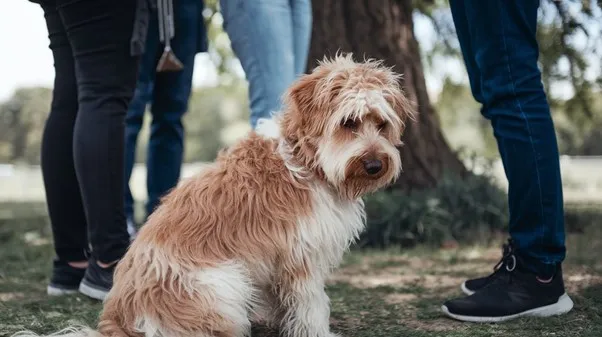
column 564, row 305
column 92, row 292
column 54, row 291
column 466, row 290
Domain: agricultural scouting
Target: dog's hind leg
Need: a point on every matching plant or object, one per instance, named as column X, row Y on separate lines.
column 230, row 294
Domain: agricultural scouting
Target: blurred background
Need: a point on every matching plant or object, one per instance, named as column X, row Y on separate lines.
column 450, row 139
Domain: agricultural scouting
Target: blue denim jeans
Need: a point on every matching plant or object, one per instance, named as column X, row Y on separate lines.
column 497, row 38
column 271, row 39
column 168, row 93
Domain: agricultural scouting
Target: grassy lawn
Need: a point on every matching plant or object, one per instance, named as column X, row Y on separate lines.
column 384, row 293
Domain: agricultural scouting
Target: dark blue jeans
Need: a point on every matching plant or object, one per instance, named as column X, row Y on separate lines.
column 498, row 43
column 168, row 93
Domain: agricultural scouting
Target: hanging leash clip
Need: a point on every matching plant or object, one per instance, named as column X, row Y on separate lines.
column 168, row 61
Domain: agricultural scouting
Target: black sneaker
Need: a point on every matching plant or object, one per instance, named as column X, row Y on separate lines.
column 469, row 287
column 65, row 279
column 513, row 294
column 97, row 281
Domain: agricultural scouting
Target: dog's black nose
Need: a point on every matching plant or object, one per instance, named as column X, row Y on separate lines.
column 373, row 166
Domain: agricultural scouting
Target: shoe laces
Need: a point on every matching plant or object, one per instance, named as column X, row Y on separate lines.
column 507, row 263
column 507, row 256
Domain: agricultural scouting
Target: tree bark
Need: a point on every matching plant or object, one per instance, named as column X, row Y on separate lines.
column 383, row 29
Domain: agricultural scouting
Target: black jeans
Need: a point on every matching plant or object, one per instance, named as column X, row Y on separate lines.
column 83, row 141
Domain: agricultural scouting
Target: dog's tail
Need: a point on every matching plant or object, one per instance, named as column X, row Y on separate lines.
column 108, row 328
column 72, row 331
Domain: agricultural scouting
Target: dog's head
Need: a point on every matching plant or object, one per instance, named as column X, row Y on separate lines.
column 344, row 121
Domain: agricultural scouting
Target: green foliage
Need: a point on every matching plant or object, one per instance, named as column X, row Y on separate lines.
column 470, row 209
column 570, row 42
column 568, row 33
column 216, row 117
column 22, row 119
column 463, row 124
column 579, row 134
column 562, row 27
column 468, row 131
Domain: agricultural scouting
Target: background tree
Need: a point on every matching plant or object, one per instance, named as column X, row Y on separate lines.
column 22, row 119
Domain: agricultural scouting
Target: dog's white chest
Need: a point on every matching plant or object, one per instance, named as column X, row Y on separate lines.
column 333, row 225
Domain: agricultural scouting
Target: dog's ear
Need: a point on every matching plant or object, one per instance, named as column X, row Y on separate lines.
column 303, row 110
column 404, row 108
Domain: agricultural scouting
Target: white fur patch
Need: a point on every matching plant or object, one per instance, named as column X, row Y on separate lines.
column 268, row 128
column 230, row 287
column 334, row 158
column 333, row 226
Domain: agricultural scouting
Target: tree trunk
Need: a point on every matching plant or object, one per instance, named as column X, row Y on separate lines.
column 383, row 29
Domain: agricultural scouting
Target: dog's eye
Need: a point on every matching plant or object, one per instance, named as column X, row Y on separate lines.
column 350, row 124
column 382, row 126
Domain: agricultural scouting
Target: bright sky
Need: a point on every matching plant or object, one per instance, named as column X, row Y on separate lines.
column 25, row 59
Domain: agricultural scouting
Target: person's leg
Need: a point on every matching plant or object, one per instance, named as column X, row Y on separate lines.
column 498, row 38
column 63, row 196
column 170, row 103
column 135, row 114
column 261, row 33
column 302, row 21
column 65, row 206
column 461, row 23
column 106, row 78
column 515, row 102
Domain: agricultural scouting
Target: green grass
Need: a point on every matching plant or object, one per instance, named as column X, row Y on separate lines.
column 375, row 293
